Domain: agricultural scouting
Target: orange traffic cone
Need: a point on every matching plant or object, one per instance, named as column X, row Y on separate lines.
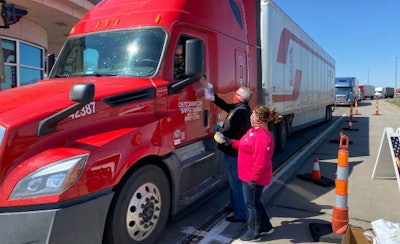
column 351, row 112
column 356, row 109
column 350, row 126
column 340, row 135
column 316, row 177
column 316, row 174
column 376, row 107
column 340, row 214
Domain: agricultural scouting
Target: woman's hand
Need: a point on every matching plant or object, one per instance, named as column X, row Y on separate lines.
column 252, row 185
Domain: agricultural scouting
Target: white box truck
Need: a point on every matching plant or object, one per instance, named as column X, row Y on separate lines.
column 379, row 92
column 367, row 91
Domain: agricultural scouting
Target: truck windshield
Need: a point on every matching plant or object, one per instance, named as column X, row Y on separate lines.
column 343, row 89
column 134, row 52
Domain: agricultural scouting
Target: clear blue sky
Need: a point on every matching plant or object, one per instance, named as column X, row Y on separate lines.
column 361, row 35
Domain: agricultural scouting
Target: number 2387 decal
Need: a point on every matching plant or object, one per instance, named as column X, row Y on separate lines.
column 88, row 109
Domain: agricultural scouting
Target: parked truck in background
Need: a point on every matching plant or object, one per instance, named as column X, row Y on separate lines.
column 106, row 149
column 367, row 91
column 388, row 92
column 346, row 91
column 379, row 92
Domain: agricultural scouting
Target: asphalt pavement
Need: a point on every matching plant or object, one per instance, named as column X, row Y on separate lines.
column 294, row 203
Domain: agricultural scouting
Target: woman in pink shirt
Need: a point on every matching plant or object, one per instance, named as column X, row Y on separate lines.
column 256, row 148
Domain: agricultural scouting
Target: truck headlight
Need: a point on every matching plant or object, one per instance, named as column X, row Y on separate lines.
column 51, row 179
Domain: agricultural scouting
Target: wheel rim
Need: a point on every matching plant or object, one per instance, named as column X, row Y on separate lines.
column 143, row 211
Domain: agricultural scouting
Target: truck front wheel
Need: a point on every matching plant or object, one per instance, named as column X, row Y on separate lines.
column 140, row 208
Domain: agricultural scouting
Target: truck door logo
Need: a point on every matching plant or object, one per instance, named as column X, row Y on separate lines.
column 286, row 37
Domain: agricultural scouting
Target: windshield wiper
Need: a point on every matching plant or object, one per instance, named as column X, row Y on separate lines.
column 96, row 74
column 62, row 75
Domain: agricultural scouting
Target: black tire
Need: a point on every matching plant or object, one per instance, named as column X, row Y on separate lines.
column 328, row 114
column 282, row 135
column 272, row 130
column 140, row 208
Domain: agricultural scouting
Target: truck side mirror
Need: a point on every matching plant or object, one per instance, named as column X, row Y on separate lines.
column 82, row 93
column 194, row 60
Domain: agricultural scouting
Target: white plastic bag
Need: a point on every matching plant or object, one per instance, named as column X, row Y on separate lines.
column 209, row 92
column 219, row 137
column 386, row 232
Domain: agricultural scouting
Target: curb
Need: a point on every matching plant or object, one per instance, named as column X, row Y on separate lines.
column 295, row 162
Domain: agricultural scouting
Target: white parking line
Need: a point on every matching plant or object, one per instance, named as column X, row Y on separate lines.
column 215, row 234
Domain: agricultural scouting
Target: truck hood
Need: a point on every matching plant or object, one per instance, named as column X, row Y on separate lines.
column 37, row 101
column 22, row 109
column 27, row 102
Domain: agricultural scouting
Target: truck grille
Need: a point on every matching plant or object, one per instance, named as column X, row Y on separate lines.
column 341, row 99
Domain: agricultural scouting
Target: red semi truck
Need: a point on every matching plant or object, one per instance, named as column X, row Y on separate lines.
column 111, row 145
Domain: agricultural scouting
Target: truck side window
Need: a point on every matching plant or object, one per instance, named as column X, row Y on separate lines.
column 179, row 63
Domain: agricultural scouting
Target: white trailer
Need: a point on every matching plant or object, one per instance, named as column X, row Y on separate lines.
column 298, row 76
column 367, row 91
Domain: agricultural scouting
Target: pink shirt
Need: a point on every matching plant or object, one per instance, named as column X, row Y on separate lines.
column 256, row 148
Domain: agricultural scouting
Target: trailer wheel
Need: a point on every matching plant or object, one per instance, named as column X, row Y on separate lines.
column 140, row 208
column 328, row 114
column 272, row 130
column 282, row 135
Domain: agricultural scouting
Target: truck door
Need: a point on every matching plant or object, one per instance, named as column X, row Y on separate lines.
column 189, row 109
column 190, row 115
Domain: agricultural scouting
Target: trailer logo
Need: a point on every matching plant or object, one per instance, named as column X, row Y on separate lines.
column 284, row 50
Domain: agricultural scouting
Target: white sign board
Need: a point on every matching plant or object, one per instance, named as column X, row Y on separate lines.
column 387, row 163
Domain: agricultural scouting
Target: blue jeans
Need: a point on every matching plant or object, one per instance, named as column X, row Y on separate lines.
column 258, row 220
column 236, row 189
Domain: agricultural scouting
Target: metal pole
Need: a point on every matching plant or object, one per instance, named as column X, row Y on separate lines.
column 395, row 77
